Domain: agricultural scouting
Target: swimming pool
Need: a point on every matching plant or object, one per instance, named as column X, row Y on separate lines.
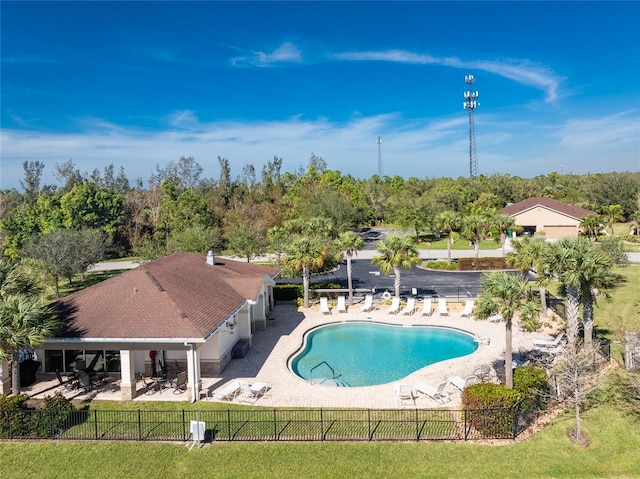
column 367, row 354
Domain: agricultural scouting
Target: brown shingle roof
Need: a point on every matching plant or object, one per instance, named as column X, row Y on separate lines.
column 180, row 296
column 549, row 203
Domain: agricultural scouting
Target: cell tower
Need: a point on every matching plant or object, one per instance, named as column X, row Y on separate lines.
column 470, row 103
column 379, row 142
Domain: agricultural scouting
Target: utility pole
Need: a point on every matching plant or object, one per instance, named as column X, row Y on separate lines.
column 470, row 103
column 379, row 142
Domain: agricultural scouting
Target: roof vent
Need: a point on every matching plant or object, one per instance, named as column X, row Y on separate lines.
column 211, row 259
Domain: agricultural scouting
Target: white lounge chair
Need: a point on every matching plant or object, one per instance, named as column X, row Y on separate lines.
column 495, row 318
column 427, row 308
column 342, row 306
column 324, row 305
column 550, row 350
column 410, row 307
column 549, row 342
column 395, row 306
column 468, row 309
column 442, row 307
column 368, row 303
column 460, row 383
column 255, row 391
column 228, row 392
column 404, row 393
column 439, row 394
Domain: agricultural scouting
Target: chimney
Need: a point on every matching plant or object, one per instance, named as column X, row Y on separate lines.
column 211, row 259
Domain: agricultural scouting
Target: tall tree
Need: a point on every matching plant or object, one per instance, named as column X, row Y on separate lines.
column 504, row 224
column 591, row 226
column 529, row 256
column 349, row 243
column 247, row 240
column 476, row 225
column 31, row 182
column 305, row 254
column 506, row 294
column 396, row 252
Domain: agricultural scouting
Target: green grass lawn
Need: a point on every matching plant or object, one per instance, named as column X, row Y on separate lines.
column 613, row 452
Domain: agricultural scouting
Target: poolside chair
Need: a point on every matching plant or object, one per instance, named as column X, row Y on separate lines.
column 395, row 306
column 550, row 350
column 324, row 305
column 368, row 303
column 181, row 383
column 460, row 383
column 149, row 385
column 404, row 393
column 439, row 394
column 255, row 391
column 427, row 308
column 468, row 309
column 482, row 338
column 442, row 307
column 548, row 342
column 342, row 307
column 410, row 307
column 228, row 392
column 495, row 318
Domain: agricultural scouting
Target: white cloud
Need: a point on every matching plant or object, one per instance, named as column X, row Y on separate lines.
column 285, row 53
column 423, row 147
column 521, row 71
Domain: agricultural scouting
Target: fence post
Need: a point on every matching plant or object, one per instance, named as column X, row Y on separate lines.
column 275, row 425
column 515, row 422
column 95, row 422
column 229, row 424
column 321, row 425
column 369, row 421
column 417, row 427
column 184, row 427
column 464, row 415
column 53, row 424
column 139, row 425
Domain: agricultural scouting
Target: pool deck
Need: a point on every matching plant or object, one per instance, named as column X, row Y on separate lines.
column 266, row 362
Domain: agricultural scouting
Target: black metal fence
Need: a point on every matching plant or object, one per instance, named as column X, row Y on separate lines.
column 266, row 425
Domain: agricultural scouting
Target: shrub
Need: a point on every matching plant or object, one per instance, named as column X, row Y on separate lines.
column 53, row 417
column 491, row 408
column 531, row 382
column 440, row 265
column 481, row 264
column 13, row 415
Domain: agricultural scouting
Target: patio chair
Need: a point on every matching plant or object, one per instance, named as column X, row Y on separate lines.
column 324, row 305
column 84, row 381
column 404, row 393
column 255, row 391
column 440, row 394
column 427, row 308
column 468, row 309
column 228, row 392
column 150, row 385
column 368, row 303
column 410, row 307
column 550, row 350
column 342, row 307
column 460, row 383
column 442, row 307
column 395, row 306
column 548, row 342
column 181, row 383
column 495, row 318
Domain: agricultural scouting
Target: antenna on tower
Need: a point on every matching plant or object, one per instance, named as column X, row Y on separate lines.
column 470, row 103
column 379, row 142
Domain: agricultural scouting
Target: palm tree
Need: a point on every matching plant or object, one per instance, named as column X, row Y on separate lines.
column 564, row 260
column 504, row 224
column 304, row 254
column 349, row 243
column 506, row 294
column 613, row 213
column 476, row 226
column 396, row 252
column 528, row 256
column 448, row 221
column 591, row 226
column 25, row 323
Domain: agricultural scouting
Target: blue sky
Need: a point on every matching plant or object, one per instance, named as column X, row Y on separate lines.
column 142, row 84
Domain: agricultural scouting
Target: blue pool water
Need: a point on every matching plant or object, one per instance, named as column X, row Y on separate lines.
column 366, row 354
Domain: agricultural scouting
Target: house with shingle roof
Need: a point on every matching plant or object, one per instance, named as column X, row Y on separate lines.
column 182, row 312
column 557, row 219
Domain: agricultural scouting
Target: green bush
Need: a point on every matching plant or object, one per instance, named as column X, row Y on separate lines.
column 52, row 419
column 531, row 382
column 440, row 265
column 13, row 416
column 491, row 408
